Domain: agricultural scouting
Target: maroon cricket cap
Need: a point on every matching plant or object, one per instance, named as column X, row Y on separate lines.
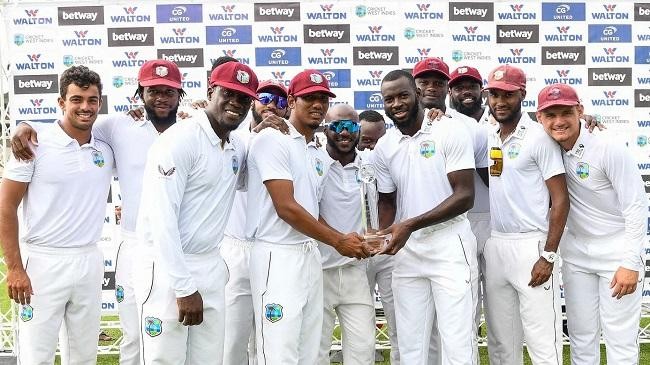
column 557, row 94
column 270, row 85
column 235, row 76
column 508, row 78
column 160, row 72
column 465, row 72
column 309, row 81
column 431, row 64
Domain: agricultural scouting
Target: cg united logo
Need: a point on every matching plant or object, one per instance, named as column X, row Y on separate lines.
column 273, row 312
column 235, row 165
column 427, row 149
column 582, row 170
column 119, row 293
column 26, row 313
column 319, row 167
column 98, row 158
column 153, row 326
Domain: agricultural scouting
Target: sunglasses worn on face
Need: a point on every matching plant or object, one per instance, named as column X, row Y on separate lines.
column 339, row 125
column 268, row 98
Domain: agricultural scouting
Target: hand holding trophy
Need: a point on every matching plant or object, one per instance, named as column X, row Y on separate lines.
column 370, row 209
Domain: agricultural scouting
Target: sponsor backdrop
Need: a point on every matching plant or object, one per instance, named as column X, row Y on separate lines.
column 600, row 47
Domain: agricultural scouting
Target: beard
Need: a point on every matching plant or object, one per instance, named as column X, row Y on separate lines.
column 514, row 113
column 257, row 117
column 466, row 110
column 169, row 119
column 411, row 118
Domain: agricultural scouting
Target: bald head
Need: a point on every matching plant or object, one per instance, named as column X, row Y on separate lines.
column 341, row 112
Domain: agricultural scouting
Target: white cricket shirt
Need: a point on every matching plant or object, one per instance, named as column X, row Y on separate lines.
column 187, row 193
column 340, row 206
column 236, row 226
column 607, row 194
column 417, row 166
column 275, row 156
column 65, row 201
column 519, row 199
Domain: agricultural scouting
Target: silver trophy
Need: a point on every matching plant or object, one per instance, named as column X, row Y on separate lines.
column 370, row 208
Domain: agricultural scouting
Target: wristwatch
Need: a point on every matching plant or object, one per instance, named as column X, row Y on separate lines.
column 550, row 256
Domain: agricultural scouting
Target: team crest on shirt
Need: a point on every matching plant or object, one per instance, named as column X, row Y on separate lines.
column 119, row 293
column 582, row 170
column 152, row 326
column 273, row 312
column 513, row 150
column 235, row 165
column 26, row 313
column 319, row 167
column 427, row 149
column 98, row 158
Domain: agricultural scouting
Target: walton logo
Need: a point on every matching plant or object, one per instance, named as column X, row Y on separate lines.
column 517, row 7
column 423, row 7
column 327, row 52
column 517, row 57
column 609, row 7
column 81, row 40
column 610, row 13
column 471, row 35
column 564, row 29
column 37, row 108
column 327, row 59
column 423, row 13
column 228, row 8
column 563, row 78
column 609, row 94
column 130, row 10
column 32, row 18
column 326, row 13
column 36, row 102
column 471, row 30
column 34, row 63
column 375, row 74
column 179, row 31
column 131, row 16
column 277, row 30
column 278, row 75
column 375, row 35
column 131, row 55
column 130, row 61
column 228, row 14
column 563, row 35
column 375, row 29
column 517, row 14
column 516, row 51
column 188, row 84
column 81, row 33
column 562, row 73
column 34, row 57
column 374, row 80
column 133, row 99
column 32, row 13
column 610, row 57
column 610, row 100
column 326, row 7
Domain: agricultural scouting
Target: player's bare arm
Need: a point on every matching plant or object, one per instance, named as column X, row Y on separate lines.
column 559, row 194
column 288, row 209
column 24, row 136
column 190, row 309
column 460, row 201
column 19, row 286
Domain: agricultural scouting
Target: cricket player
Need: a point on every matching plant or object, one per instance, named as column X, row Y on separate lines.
column 520, row 272
column 236, row 248
column 159, row 88
column 603, row 258
column 433, row 79
column 373, row 127
column 188, row 190
column 346, row 292
column 466, row 93
column 57, row 270
column 432, row 240
column 286, row 177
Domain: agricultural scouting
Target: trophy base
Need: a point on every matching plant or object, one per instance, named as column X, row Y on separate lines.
column 376, row 242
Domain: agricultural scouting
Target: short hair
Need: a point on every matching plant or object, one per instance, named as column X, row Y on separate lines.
column 397, row 74
column 371, row 116
column 81, row 76
column 221, row 60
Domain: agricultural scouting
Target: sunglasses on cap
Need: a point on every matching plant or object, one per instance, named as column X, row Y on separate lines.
column 339, row 125
column 268, row 98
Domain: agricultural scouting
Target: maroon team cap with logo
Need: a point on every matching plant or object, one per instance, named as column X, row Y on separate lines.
column 235, row 76
column 557, row 94
column 465, row 72
column 431, row 64
column 160, row 72
column 508, row 78
column 309, row 81
column 270, row 85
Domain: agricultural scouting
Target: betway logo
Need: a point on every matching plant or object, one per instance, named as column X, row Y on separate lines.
column 140, row 37
column 77, row 15
column 176, row 58
column 30, row 84
column 276, row 11
column 573, row 56
column 325, row 33
column 470, row 11
column 608, row 77
column 386, row 56
column 513, row 33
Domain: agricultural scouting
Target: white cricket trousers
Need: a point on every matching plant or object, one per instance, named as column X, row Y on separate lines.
column 239, row 347
column 509, row 260
column 587, row 270
column 380, row 275
column 346, row 294
column 67, row 285
column 287, row 284
column 125, row 295
column 432, row 279
column 165, row 340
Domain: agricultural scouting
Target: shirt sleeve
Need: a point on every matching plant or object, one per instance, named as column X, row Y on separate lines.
column 270, row 153
column 622, row 171
column 458, row 151
column 20, row 171
column 377, row 159
column 169, row 164
column 481, row 146
column 548, row 157
column 103, row 128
